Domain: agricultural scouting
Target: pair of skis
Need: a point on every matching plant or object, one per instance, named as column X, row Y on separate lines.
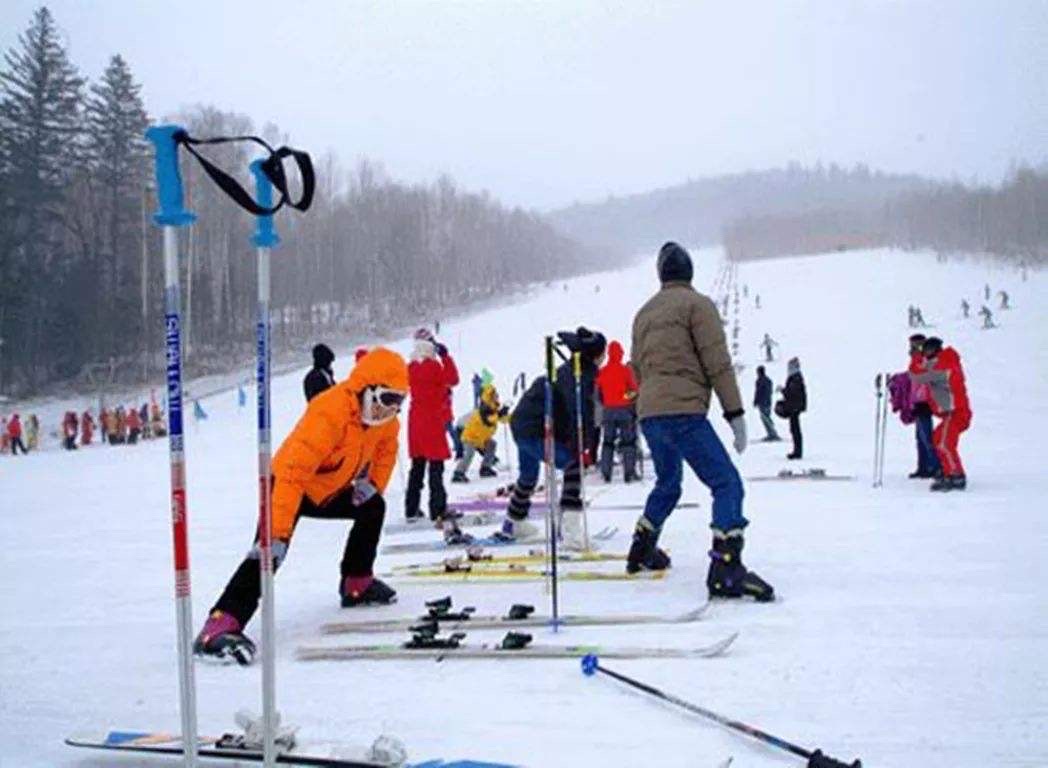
column 815, row 473
column 397, row 548
column 427, row 643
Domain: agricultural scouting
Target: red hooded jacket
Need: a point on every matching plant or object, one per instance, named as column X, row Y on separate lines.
column 616, row 383
column 14, row 427
column 431, row 381
column 946, row 380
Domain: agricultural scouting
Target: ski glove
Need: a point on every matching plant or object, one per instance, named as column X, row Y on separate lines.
column 363, row 490
column 277, row 547
column 738, row 428
column 442, row 351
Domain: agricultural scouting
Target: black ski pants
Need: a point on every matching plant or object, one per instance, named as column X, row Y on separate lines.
column 244, row 590
column 438, row 497
column 798, row 438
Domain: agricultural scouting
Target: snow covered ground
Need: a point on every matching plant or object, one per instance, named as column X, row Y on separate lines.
column 912, row 627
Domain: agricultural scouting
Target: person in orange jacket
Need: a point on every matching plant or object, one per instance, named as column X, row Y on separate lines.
column 617, row 388
column 87, row 428
column 335, row 464
column 949, row 401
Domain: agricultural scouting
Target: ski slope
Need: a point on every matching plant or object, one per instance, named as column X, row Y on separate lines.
column 911, row 626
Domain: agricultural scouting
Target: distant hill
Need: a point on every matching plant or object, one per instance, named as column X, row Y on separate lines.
column 697, row 212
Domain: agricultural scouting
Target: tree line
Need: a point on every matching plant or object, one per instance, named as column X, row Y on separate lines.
column 81, row 277
column 1008, row 221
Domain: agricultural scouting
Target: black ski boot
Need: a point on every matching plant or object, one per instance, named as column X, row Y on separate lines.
column 644, row 555
column 943, row 484
column 459, row 477
column 488, row 472
column 958, row 482
column 222, row 640
column 365, row 590
column 727, row 576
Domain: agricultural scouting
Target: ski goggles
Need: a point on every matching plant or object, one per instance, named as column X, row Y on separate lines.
column 390, row 398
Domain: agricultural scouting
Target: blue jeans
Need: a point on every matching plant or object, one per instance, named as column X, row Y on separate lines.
column 675, row 439
column 531, row 454
column 927, row 459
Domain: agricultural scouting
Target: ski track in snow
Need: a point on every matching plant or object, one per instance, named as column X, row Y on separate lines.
column 912, row 625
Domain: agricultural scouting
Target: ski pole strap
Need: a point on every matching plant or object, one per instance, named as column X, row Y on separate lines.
column 272, row 167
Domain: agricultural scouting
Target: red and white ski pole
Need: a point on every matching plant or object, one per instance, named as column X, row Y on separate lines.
column 170, row 217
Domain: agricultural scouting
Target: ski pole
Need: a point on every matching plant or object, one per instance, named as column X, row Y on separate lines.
column 581, row 442
column 816, row 759
column 884, row 436
column 265, row 238
column 172, row 215
column 876, row 426
column 551, row 482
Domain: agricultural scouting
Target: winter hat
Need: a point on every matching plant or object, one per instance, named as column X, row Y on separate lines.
column 323, row 357
column 760, row 370
column 793, row 366
column 359, row 353
column 591, row 343
column 423, row 334
column 932, row 346
column 674, row 263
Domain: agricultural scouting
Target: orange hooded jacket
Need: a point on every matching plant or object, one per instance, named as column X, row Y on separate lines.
column 330, row 445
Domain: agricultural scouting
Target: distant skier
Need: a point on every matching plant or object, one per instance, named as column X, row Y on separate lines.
column 87, row 428
column 757, row 301
column 32, row 432
column 1004, row 300
column 617, row 394
column 528, row 429
column 478, row 435
column 911, row 316
column 320, row 376
column 762, row 391
column 70, row 425
column 949, row 401
column 680, row 357
column 987, row 317
column 335, row 464
column 134, row 426
column 918, row 318
column 432, row 374
column 927, row 459
column 477, row 383
column 986, row 292
column 794, row 402
column 965, row 308
column 768, row 344
column 14, row 435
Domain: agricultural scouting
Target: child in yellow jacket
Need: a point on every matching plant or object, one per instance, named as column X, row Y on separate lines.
column 478, row 435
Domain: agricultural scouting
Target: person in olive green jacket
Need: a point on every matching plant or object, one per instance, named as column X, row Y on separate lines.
column 680, row 357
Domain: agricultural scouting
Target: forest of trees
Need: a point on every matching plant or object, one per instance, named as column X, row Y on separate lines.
column 698, row 211
column 1009, row 221
column 80, row 262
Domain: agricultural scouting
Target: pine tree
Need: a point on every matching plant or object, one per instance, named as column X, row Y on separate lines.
column 40, row 130
column 117, row 155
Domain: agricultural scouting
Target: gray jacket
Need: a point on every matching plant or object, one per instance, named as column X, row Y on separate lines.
column 679, row 354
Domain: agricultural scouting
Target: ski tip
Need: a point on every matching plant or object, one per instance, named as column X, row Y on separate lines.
column 590, row 663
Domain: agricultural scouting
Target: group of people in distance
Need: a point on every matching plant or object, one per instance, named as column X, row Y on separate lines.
column 118, row 425
column 337, row 461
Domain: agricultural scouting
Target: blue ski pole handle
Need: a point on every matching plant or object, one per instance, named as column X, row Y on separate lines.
column 169, row 195
column 265, row 233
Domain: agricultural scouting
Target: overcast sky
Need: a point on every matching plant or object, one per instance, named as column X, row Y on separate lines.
column 544, row 103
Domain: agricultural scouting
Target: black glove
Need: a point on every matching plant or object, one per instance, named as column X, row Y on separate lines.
column 504, row 411
column 442, row 351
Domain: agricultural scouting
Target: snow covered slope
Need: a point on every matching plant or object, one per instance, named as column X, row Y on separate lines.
column 911, row 627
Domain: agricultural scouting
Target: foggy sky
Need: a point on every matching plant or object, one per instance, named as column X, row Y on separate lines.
column 545, row 103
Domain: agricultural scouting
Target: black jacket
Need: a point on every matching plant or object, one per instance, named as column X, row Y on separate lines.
column 762, row 393
column 795, row 395
column 527, row 420
column 316, row 381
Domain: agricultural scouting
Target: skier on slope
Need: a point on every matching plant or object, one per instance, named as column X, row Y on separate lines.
column 965, row 307
column 87, row 428
column 432, row 374
column 14, row 435
column 927, row 460
column 335, row 464
column 680, row 356
column 617, row 391
column 794, row 402
column 478, row 435
column 762, row 390
column 768, row 344
column 528, row 429
column 949, row 401
column 320, row 376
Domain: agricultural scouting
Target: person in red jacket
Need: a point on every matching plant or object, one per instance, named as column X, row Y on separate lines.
column 87, row 428
column 949, row 401
column 14, row 433
column 134, row 425
column 617, row 390
column 431, row 375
